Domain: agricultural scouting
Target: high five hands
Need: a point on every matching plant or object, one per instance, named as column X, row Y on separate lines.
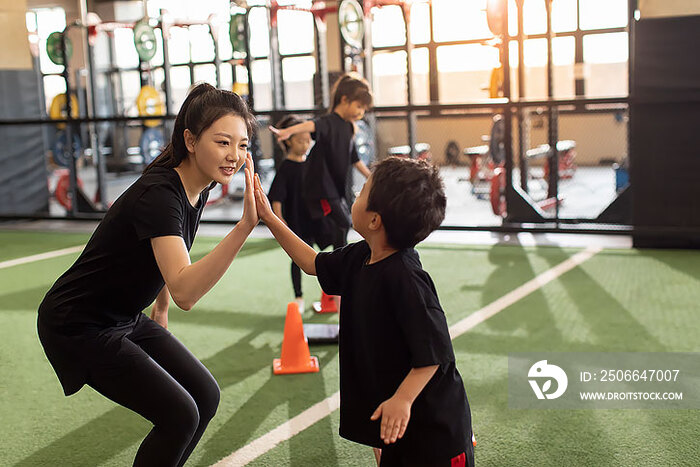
column 256, row 206
column 250, row 213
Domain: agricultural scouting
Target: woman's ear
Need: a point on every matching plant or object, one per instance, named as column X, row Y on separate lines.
column 189, row 140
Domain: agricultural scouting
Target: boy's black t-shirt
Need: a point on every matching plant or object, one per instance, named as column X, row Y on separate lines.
column 286, row 188
column 116, row 276
column 392, row 322
column 330, row 159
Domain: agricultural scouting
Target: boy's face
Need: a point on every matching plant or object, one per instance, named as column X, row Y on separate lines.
column 361, row 218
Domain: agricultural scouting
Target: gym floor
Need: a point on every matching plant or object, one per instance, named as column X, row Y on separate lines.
column 603, row 304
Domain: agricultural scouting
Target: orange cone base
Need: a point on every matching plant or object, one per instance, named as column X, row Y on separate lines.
column 310, row 367
column 326, row 305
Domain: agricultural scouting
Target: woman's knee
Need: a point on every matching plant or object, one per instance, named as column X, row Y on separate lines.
column 182, row 419
column 207, row 399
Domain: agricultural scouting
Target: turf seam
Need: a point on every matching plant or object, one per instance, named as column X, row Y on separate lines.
column 41, row 256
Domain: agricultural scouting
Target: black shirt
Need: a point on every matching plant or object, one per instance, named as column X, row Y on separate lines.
column 116, row 276
column 392, row 322
column 286, row 188
column 330, row 159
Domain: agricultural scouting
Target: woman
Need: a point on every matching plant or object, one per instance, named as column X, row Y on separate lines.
column 91, row 322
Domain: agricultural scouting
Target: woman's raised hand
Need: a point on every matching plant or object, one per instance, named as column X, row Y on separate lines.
column 250, row 214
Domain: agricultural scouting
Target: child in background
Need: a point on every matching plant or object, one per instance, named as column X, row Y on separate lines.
column 328, row 164
column 285, row 194
column 400, row 390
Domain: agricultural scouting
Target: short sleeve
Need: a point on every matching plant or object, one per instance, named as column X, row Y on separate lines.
column 278, row 189
column 421, row 319
column 334, row 267
column 354, row 157
column 158, row 212
column 322, row 128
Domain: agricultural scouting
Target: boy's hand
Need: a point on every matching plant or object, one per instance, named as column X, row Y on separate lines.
column 395, row 413
column 261, row 202
column 281, row 134
column 250, row 214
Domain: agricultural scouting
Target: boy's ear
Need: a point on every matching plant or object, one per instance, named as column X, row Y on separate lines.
column 375, row 222
column 189, row 140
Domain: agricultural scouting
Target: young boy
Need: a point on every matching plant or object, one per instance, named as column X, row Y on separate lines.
column 400, row 390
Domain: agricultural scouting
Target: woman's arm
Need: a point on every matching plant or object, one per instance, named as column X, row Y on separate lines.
column 284, row 133
column 188, row 282
column 159, row 311
column 296, row 248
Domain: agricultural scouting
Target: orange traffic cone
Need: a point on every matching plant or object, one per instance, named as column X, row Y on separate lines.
column 295, row 348
column 328, row 304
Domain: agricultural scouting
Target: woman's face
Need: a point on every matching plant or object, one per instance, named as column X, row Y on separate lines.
column 221, row 149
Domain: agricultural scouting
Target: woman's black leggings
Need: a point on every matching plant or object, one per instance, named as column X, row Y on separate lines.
column 154, row 375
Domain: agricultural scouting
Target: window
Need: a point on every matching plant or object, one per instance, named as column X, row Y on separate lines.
column 295, row 30
column 390, row 77
column 201, row 43
column 388, row 26
column 605, row 59
column 298, row 73
column 591, row 17
column 259, row 25
column 455, row 20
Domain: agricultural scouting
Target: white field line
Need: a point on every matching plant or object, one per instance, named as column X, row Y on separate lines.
column 41, row 256
column 285, row 431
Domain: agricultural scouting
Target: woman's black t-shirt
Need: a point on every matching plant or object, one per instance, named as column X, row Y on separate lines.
column 330, row 159
column 392, row 322
column 286, row 188
column 116, row 276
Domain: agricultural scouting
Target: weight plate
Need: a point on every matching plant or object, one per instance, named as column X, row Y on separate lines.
column 53, row 47
column 352, row 23
column 145, row 40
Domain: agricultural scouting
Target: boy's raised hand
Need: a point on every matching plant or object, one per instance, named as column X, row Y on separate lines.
column 395, row 413
column 262, row 204
column 250, row 214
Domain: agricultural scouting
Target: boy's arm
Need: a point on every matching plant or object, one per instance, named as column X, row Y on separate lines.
column 396, row 411
column 284, row 133
column 277, row 209
column 296, row 248
column 364, row 170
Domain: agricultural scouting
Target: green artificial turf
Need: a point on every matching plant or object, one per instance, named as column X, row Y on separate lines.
column 616, row 301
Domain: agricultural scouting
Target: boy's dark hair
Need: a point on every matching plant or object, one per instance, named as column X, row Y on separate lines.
column 203, row 106
column 286, row 122
column 410, row 197
column 354, row 88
